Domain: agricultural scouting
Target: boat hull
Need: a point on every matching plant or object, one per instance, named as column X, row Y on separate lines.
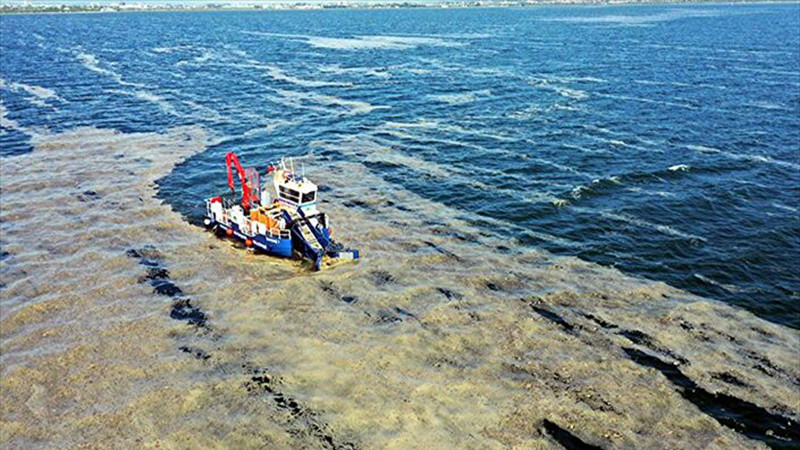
column 281, row 247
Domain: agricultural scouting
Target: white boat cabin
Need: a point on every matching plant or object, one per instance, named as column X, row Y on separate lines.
column 295, row 191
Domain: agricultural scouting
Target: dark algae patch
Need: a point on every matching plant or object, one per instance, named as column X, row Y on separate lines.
column 330, row 289
column 195, row 352
column 450, row 294
column 184, row 310
column 567, row 440
column 159, row 278
column 382, row 277
column 550, row 316
column 640, row 338
column 441, row 250
column 303, row 420
column 728, row 378
column 751, row 420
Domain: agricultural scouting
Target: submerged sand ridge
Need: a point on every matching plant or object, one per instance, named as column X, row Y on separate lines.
column 127, row 327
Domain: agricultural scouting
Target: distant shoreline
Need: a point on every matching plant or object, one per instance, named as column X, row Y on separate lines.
column 122, row 7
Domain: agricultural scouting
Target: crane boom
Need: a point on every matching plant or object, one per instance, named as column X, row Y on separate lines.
column 232, row 159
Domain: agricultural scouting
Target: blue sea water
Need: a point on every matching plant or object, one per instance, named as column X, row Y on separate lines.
column 661, row 140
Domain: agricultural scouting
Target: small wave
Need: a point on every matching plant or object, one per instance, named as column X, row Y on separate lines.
column 256, row 131
column 785, row 207
column 39, row 96
column 420, row 123
column 5, row 122
column 603, row 185
column 369, row 149
column 205, row 113
column 645, row 224
column 769, row 71
column 367, row 71
column 298, row 99
column 622, row 143
column 439, row 126
column 461, row 98
column 770, row 106
column 279, row 75
column 157, row 100
column 91, row 62
column 162, row 103
column 559, row 107
column 745, row 157
column 647, row 100
column 547, row 83
column 728, row 287
column 173, row 49
column 11, row 124
column 586, row 150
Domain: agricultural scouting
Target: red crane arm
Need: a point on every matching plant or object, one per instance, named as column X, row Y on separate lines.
column 232, row 159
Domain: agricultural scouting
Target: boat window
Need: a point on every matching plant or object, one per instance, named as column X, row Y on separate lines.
column 289, row 194
column 309, row 196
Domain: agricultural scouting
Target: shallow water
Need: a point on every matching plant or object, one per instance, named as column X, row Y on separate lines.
column 460, row 156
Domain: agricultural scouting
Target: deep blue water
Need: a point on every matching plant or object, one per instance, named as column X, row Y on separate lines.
column 662, row 140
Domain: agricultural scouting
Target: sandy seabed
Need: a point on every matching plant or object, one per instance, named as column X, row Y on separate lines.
column 123, row 326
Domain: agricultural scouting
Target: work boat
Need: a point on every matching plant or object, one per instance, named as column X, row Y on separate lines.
column 284, row 222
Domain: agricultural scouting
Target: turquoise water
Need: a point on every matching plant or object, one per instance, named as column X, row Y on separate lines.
column 662, row 140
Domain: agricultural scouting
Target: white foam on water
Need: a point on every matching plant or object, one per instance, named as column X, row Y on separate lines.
column 560, row 107
column 375, row 42
column 37, row 95
column 662, row 83
column 162, row 103
column 742, row 156
column 785, row 207
column 207, row 55
column 679, row 168
column 679, row 84
column 7, row 123
column 547, row 83
column 547, row 78
column 420, row 123
column 206, row 113
column 646, row 100
column 622, row 143
column 11, row 124
column 269, row 128
column 172, row 49
column 413, row 41
column 769, row 71
column 278, row 74
column 385, row 150
column 452, row 128
column 643, row 224
column 300, row 99
column 379, row 72
column 418, row 71
column 586, row 150
column 91, row 62
column 770, row 106
column 637, row 19
column 461, row 98
column 353, row 44
column 728, row 287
